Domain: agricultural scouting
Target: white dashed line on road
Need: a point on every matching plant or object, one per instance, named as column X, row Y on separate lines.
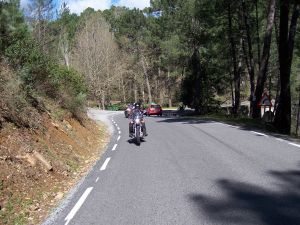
column 103, row 167
column 119, row 138
column 260, row 134
column 119, row 132
column 114, row 148
column 118, row 128
column 78, row 205
column 97, row 180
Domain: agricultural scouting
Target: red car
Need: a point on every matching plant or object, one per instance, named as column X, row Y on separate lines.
column 154, row 109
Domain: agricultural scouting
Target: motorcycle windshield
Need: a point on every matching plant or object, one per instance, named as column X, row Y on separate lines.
column 138, row 116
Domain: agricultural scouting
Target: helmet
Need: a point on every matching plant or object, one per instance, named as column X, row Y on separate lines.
column 136, row 105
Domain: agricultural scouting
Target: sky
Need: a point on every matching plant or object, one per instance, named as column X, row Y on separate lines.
column 77, row 6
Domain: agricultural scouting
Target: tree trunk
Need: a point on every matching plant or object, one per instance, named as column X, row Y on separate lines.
column 157, row 85
column 169, row 90
column 103, row 100
column 232, row 92
column 286, row 47
column 262, row 74
column 123, row 89
column 135, row 90
column 64, row 46
column 143, row 93
column 197, row 101
column 147, row 78
column 250, row 53
column 233, row 56
column 237, row 82
column 298, row 114
column 161, row 97
column 257, row 33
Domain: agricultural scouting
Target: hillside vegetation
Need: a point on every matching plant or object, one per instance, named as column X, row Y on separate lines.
column 47, row 142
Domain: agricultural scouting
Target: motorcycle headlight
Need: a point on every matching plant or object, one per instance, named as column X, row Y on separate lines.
column 137, row 121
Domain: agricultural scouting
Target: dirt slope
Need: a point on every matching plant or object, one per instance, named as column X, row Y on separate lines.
column 37, row 167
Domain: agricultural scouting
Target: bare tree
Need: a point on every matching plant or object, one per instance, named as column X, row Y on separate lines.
column 64, row 43
column 40, row 13
column 97, row 56
column 145, row 68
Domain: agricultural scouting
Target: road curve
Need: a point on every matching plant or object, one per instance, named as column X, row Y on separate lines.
column 188, row 172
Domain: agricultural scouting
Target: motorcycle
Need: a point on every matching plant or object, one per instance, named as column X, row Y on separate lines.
column 138, row 133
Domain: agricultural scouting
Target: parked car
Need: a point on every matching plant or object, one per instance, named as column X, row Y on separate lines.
column 154, row 109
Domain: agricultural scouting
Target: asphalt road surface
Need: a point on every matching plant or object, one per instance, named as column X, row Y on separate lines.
column 187, row 172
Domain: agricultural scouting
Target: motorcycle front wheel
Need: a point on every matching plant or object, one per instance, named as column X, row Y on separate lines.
column 138, row 137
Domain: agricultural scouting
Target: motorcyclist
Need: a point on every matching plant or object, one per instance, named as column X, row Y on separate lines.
column 136, row 110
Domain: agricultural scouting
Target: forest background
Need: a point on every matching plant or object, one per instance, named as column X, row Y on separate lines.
column 198, row 53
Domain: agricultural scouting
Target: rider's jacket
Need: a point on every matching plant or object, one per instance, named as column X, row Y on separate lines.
column 135, row 112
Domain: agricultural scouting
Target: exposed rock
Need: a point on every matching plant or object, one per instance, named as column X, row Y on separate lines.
column 59, row 196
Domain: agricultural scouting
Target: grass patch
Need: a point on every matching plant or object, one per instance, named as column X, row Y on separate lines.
column 16, row 204
column 73, row 166
column 59, row 114
column 170, row 108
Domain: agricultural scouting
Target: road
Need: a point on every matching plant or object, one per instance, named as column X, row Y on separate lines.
column 188, row 172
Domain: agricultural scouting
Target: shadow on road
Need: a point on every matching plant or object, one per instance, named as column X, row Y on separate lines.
column 184, row 120
column 132, row 141
column 245, row 127
column 244, row 203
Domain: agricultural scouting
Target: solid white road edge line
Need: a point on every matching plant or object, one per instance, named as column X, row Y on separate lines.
column 103, row 167
column 261, row 134
column 114, row 148
column 294, row 144
column 77, row 206
column 232, row 126
column 119, row 138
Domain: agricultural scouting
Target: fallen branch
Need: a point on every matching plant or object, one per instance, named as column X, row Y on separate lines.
column 43, row 161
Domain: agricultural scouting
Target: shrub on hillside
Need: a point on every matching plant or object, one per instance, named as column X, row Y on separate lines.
column 71, row 89
column 39, row 75
column 14, row 104
column 62, row 77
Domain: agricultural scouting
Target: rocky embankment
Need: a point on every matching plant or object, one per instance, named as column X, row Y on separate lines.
column 39, row 166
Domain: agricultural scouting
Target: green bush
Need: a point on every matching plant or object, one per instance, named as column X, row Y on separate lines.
column 75, row 104
column 38, row 73
column 62, row 78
